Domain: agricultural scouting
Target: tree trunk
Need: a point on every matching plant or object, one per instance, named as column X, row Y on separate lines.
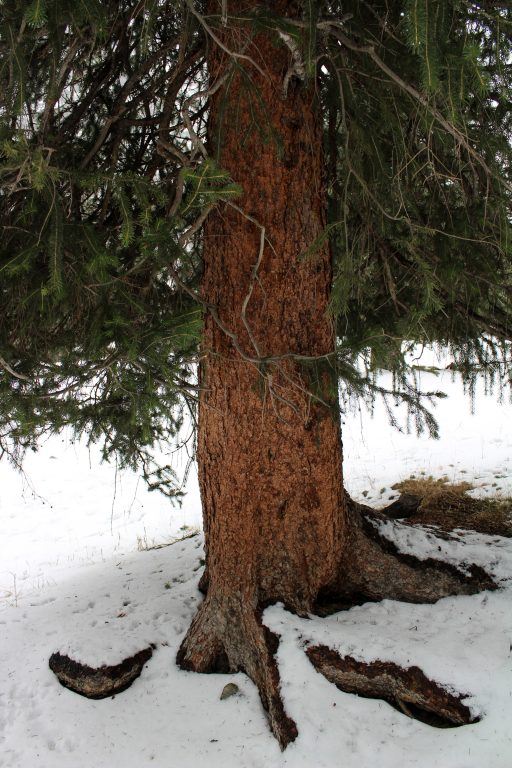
column 269, row 449
column 278, row 526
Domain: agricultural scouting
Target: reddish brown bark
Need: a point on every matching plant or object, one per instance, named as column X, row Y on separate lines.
column 269, row 452
column 270, row 470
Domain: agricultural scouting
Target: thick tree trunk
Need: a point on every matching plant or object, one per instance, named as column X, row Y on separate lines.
column 269, row 451
column 278, row 525
column 269, row 448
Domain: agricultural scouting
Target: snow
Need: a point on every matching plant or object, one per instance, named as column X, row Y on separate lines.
column 76, row 576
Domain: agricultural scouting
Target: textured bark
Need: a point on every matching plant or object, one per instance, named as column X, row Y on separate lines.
column 270, row 470
column 227, row 635
column 269, row 453
column 407, row 689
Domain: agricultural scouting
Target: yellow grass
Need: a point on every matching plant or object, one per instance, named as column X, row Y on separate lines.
column 449, row 506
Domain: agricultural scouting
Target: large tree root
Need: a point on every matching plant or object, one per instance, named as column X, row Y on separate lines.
column 98, row 682
column 230, row 637
column 375, row 569
column 408, row 690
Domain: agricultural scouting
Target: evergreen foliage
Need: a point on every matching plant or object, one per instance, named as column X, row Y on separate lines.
column 105, row 181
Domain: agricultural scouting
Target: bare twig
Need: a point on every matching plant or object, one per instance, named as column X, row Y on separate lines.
column 196, row 226
column 297, row 67
column 218, row 41
column 5, row 365
column 204, row 94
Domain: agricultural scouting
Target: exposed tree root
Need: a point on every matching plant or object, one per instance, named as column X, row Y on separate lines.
column 408, row 690
column 376, row 570
column 99, row 682
column 228, row 636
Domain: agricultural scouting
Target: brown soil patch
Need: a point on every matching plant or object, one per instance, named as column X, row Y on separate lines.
column 428, row 501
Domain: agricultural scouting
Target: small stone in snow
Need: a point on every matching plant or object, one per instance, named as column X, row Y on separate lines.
column 229, row 690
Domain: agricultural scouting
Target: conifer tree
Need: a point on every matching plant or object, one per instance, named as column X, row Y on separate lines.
column 284, row 196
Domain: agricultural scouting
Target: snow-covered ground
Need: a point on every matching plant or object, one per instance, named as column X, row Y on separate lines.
column 76, row 575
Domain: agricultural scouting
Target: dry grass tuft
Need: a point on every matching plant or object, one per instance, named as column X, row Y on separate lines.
column 449, row 506
column 143, row 545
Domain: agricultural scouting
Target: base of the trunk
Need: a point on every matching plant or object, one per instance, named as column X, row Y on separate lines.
column 227, row 635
